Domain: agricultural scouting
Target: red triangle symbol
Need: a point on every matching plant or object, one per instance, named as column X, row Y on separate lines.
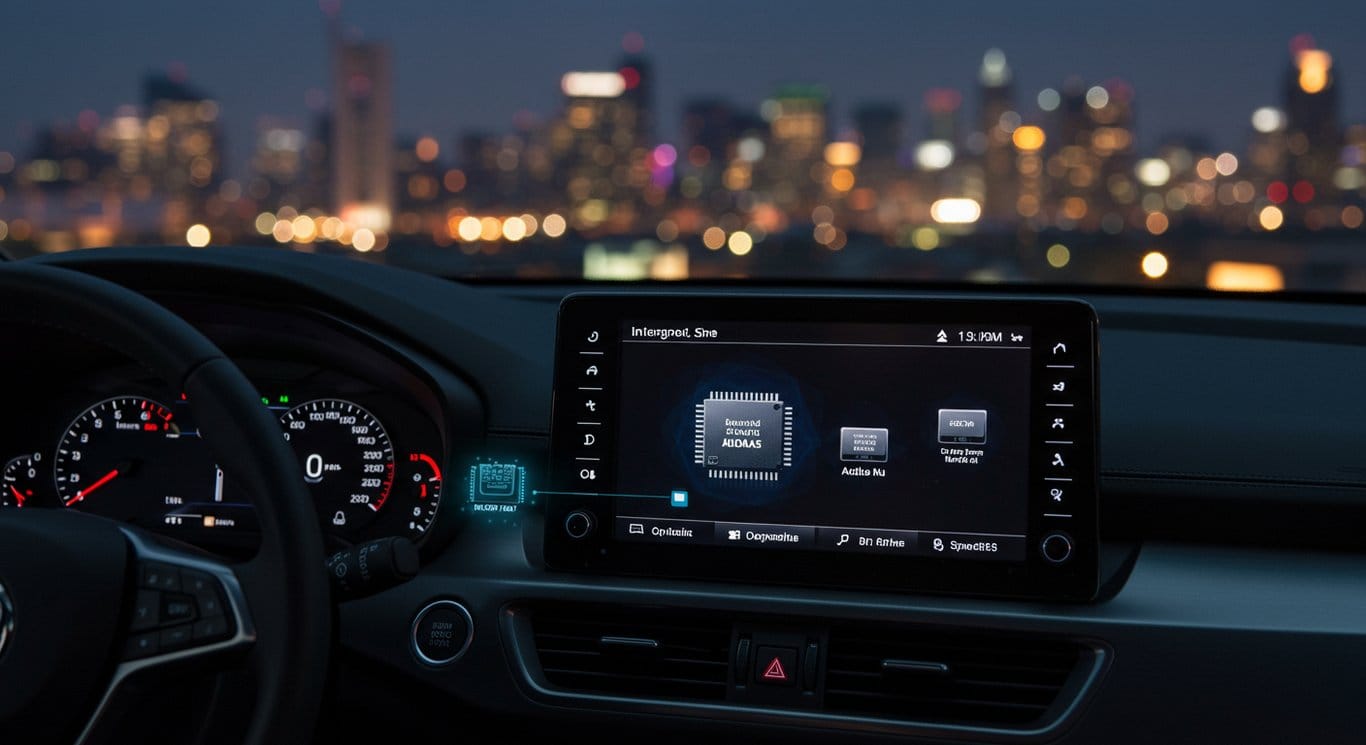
column 775, row 670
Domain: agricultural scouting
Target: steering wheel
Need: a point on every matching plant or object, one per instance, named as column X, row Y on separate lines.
column 84, row 601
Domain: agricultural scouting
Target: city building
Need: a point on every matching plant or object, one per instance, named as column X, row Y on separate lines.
column 278, row 165
column 362, row 146
column 1313, row 135
column 599, row 149
column 996, row 124
column 182, row 150
column 1091, row 168
column 709, row 138
column 792, row 174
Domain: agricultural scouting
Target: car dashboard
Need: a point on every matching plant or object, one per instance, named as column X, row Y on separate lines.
column 1229, row 604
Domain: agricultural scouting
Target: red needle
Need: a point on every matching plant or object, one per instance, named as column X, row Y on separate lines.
column 17, row 495
column 83, row 493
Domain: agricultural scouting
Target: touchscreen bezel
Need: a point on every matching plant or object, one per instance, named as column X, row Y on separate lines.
column 587, row 331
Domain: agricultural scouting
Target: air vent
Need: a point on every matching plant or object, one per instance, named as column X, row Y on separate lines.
column 635, row 652
column 947, row 677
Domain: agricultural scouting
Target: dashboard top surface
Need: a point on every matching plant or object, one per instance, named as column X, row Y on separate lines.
column 1265, row 377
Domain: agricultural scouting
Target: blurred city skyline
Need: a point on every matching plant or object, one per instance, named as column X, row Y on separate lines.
column 1094, row 144
column 1198, row 68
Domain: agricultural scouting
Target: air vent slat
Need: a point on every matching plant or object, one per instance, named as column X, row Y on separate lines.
column 992, row 680
column 688, row 660
column 875, row 656
column 614, row 676
column 935, row 708
column 555, row 658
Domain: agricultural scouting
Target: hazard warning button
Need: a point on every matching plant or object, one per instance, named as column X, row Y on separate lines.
column 776, row 666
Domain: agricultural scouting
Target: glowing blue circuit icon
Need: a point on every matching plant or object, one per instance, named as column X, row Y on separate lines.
column 678, row 498
column 494, row 482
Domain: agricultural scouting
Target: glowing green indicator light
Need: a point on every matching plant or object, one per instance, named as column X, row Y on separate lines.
column 284, row 399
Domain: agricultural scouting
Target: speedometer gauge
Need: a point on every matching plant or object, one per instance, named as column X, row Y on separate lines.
column 346, row 457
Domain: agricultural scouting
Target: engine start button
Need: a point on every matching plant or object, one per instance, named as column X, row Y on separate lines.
column 442, row 632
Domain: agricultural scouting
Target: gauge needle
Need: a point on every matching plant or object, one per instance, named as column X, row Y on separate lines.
column 83, row 493
column 18, row 495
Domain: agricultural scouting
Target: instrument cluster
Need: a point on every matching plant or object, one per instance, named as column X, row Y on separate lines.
column 129, row 451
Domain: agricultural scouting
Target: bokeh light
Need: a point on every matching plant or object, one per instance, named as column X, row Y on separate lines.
column 1268, row 119
column 427, row 149
column 553, row 225
column 956, row 211
column 1058, row 255
column 740, row 243
column 1154, row 265
column 1028, row 137
column 197, row 235
column 1271, row 217
column 1049, row 99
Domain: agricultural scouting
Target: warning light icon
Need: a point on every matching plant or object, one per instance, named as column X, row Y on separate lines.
column 775, row 671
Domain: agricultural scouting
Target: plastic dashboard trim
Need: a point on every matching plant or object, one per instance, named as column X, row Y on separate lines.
column 515, row 629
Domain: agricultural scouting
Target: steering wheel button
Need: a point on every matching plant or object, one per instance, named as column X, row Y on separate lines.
column 211, row 629
column 206, row 591
column 176, row 637
column 195, row 582
column 177, row 607
column 141, row 645
column 146, row 609
column 157, row 576
column 210, row 602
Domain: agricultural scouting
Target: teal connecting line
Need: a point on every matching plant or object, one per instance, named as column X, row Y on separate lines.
column 535, row 492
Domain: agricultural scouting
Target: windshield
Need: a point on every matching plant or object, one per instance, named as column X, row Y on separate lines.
column 1209, row 144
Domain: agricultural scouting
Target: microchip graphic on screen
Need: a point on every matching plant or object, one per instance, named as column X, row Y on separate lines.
column 743, row 435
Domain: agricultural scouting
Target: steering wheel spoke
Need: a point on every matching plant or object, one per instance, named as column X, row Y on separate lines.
column 183, row 606
column 185, row 610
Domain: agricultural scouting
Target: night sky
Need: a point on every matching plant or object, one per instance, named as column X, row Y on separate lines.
column 1199, row 66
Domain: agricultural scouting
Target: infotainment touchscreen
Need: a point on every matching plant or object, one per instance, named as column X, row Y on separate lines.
column 913, row 444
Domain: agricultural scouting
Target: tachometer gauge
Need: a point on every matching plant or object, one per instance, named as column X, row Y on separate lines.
column 346, row 457
column 20, row 482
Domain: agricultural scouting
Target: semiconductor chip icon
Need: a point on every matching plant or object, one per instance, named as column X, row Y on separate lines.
column 743, row 435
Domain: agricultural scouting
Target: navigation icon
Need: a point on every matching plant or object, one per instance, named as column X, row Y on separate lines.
column 942, row 338
column 1059, row 348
